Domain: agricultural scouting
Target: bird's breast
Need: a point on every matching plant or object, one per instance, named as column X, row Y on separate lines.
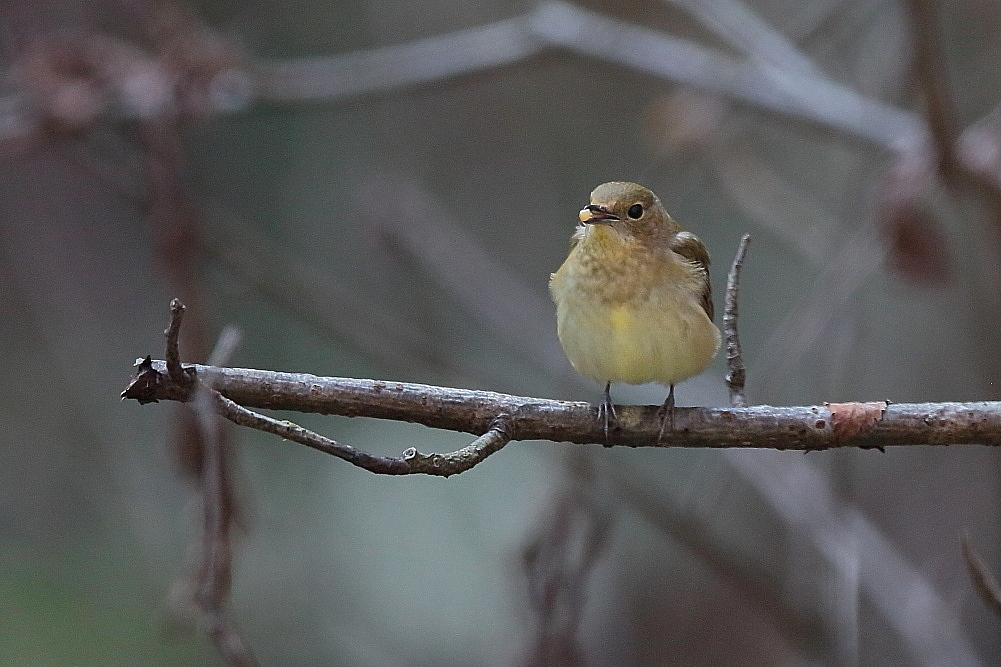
column 632, row 321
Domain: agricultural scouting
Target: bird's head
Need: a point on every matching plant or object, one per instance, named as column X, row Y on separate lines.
column 628, row 207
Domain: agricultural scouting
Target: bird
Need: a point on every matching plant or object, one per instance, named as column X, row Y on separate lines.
column 633, row 299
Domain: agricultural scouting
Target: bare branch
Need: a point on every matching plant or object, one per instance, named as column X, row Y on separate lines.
column 736, row 373
column 469, row 411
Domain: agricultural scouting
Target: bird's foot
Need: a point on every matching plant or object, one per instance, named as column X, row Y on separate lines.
column 606, row 412
column 666, row 415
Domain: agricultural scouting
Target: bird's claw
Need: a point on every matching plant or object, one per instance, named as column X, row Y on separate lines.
column 666, row 415
column 606, row 413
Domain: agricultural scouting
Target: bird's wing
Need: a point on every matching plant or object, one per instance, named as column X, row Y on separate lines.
column 690, row 247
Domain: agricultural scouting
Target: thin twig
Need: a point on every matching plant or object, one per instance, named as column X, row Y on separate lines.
column 736, row 374
column 409, row 463
column 983, row 579
column 173, row 354
column 214, row 577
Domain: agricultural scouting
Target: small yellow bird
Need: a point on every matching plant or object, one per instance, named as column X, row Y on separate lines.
column 633, row 298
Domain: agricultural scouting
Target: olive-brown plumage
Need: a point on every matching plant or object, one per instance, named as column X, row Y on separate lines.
column 633, row 298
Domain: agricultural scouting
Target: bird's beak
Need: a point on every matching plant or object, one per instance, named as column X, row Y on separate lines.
column 595, row 214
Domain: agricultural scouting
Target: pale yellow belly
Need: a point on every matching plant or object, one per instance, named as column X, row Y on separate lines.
column 665, row 342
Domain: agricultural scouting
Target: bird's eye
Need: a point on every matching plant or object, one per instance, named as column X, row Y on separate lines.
column 635, row 211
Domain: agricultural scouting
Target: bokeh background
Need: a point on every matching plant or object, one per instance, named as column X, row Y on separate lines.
column 376, row 188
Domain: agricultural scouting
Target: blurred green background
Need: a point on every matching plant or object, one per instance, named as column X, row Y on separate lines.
column 404, row 228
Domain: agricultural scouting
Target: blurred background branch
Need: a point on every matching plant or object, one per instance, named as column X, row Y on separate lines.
column 107, row 77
